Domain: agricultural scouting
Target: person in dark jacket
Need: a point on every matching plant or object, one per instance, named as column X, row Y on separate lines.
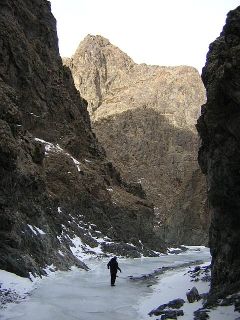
column 113, row 265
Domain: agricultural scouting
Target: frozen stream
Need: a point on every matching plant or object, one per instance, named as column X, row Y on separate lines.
column 88, row 295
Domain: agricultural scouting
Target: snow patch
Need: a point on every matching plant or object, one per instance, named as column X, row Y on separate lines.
column 50, row 147
column 61, row 253
column 84, row 251
column 50, row 269
column 77, row 163
column 39, row 230
column 32, row 229
column 59, row 239
column 35, row 230
column 11, row 281
column 173, row 285
column 33, row 114
column 13, row 288
column 80, row 250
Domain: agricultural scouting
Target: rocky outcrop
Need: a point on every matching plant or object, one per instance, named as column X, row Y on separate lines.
column 219, row 155
column 145, row 117
column 56, row 182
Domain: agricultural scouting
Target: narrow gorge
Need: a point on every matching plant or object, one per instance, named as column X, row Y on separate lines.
column 101, row 156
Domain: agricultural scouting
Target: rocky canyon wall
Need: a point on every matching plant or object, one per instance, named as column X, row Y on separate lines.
column 55, row 177
column 145, row 118
column 219, row 155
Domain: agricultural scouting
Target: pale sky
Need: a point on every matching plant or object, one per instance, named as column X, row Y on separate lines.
column 161, row 32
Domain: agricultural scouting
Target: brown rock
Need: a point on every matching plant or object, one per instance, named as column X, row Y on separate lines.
column 144, row 116
column 193, row 295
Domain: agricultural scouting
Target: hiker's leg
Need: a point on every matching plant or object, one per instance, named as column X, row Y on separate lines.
column 113, row 278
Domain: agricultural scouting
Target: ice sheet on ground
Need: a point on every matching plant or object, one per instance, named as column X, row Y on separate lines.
column 88, row 295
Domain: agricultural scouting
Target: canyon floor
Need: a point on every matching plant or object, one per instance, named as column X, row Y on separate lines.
column 87, row 295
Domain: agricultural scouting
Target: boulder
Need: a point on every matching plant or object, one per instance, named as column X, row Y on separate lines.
column 201, row 315
column 164, row 308
column 172, row 314
column 193, row 295
column 176, row 303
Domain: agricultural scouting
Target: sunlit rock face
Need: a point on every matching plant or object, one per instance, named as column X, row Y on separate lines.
column 219, row 155
column 145, row 118
column 56, row 182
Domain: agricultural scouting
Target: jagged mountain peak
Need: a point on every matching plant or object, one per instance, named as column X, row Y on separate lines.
column 95, row 39
column 145, row 118
column 101, row 51
column 113, row 83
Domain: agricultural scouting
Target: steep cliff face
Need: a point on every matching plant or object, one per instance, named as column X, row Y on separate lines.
column 55, row 178
column 219, row 155
column 145, row 117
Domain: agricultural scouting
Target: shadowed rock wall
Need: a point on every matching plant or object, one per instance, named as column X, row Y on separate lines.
column 54, row 174
column 219, row 155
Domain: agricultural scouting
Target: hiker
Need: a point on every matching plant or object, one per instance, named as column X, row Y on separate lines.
column 113, row 265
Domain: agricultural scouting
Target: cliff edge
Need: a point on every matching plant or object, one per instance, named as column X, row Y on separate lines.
column 56, row 183
column 219, row 155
